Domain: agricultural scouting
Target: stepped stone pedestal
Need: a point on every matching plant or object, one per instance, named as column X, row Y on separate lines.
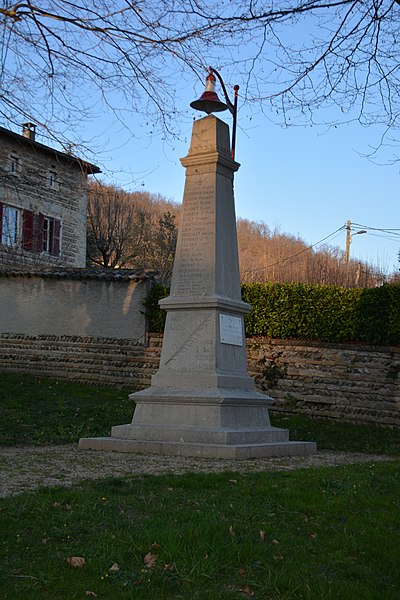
column 202, row 402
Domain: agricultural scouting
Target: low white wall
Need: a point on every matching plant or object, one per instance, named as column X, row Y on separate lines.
column 70, row 306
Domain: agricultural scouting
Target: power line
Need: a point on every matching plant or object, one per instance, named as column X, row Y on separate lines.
column 279, row 262
column 383, row 229
column 385, row 237
column 390, row 232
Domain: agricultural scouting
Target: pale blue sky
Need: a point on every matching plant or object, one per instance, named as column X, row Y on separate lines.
column 305, row 181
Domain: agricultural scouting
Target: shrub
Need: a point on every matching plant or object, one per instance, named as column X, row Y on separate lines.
column 155, row 314
column 325, row 313
column 313, row 312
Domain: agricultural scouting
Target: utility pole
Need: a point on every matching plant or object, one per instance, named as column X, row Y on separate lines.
column 348, row 239
column 348, row 242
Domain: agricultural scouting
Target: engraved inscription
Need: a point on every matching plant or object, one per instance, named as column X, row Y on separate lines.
column 195, row 250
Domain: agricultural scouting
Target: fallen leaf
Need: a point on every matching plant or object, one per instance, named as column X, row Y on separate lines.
column 91, row 594
column 274, row 542
column 232, row 480
column 246, row 590
column 76, row 561
column 114, row 567
column 168, row 567
column 278, row 557
column 313, row 535
column 150, row 560
column 242, row 572
column 262, row 535
column 231, row 530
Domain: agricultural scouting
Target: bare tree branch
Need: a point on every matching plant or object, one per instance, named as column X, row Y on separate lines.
column 293, row 57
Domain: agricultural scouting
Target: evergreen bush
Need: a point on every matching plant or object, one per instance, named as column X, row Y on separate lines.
column 312, row 312
column 156, row 315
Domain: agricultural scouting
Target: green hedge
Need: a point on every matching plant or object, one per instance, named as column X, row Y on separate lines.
column 155, row 314
column 316, row 312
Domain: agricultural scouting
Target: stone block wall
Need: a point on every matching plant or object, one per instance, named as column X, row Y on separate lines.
column 348, row 382
column 339, row 382
column 94, row 360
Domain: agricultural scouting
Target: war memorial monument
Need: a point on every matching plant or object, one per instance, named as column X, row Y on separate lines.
column 202, row 401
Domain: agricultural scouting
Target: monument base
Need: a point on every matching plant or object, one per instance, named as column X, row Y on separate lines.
column 218, row 423
column 221, row 451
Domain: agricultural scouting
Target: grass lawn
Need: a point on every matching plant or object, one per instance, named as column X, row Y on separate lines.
column 42, row 411
column 317, row 533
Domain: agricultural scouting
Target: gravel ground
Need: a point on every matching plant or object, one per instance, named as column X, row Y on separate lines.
column 26, row 468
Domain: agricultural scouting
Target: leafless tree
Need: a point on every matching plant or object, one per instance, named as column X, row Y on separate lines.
column 163, row 245
column 272, row 256
column 115, row 226
column 293, row 56
column 130, row 229
column 139, row 230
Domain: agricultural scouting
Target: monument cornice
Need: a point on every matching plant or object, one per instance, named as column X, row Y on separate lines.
column 215, row 157
column 205, row 302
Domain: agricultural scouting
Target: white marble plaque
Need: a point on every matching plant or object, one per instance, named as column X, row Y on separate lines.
column 230, row 330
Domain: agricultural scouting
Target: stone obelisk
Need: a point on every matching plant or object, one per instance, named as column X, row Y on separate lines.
column 202, row 401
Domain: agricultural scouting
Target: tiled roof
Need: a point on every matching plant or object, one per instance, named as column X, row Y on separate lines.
column 84, row 273
column 83, row 164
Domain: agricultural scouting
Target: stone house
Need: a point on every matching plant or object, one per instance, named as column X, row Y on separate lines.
column 43, row 201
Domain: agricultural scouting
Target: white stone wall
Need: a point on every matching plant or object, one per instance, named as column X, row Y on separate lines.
column 37, row 305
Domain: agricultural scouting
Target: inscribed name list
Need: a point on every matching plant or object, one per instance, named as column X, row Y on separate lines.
column 194, row 270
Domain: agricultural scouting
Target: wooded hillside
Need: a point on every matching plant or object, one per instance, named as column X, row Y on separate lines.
column 139, row 230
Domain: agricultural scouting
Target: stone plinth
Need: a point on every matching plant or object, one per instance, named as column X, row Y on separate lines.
column 202, row 401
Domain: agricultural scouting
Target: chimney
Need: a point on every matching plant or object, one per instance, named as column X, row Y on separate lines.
column 29, row 131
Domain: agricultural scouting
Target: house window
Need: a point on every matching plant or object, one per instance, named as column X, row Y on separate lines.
column 33, row 231
column 10, row 223
column 14, row 164
column 50, row 233
column 52, row 179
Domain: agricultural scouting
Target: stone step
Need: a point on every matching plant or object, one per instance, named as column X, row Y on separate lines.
column 238, row 451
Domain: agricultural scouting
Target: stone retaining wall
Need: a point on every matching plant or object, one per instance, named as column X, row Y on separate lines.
column 93, row 360
column 337, row 381
column 344, row 382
